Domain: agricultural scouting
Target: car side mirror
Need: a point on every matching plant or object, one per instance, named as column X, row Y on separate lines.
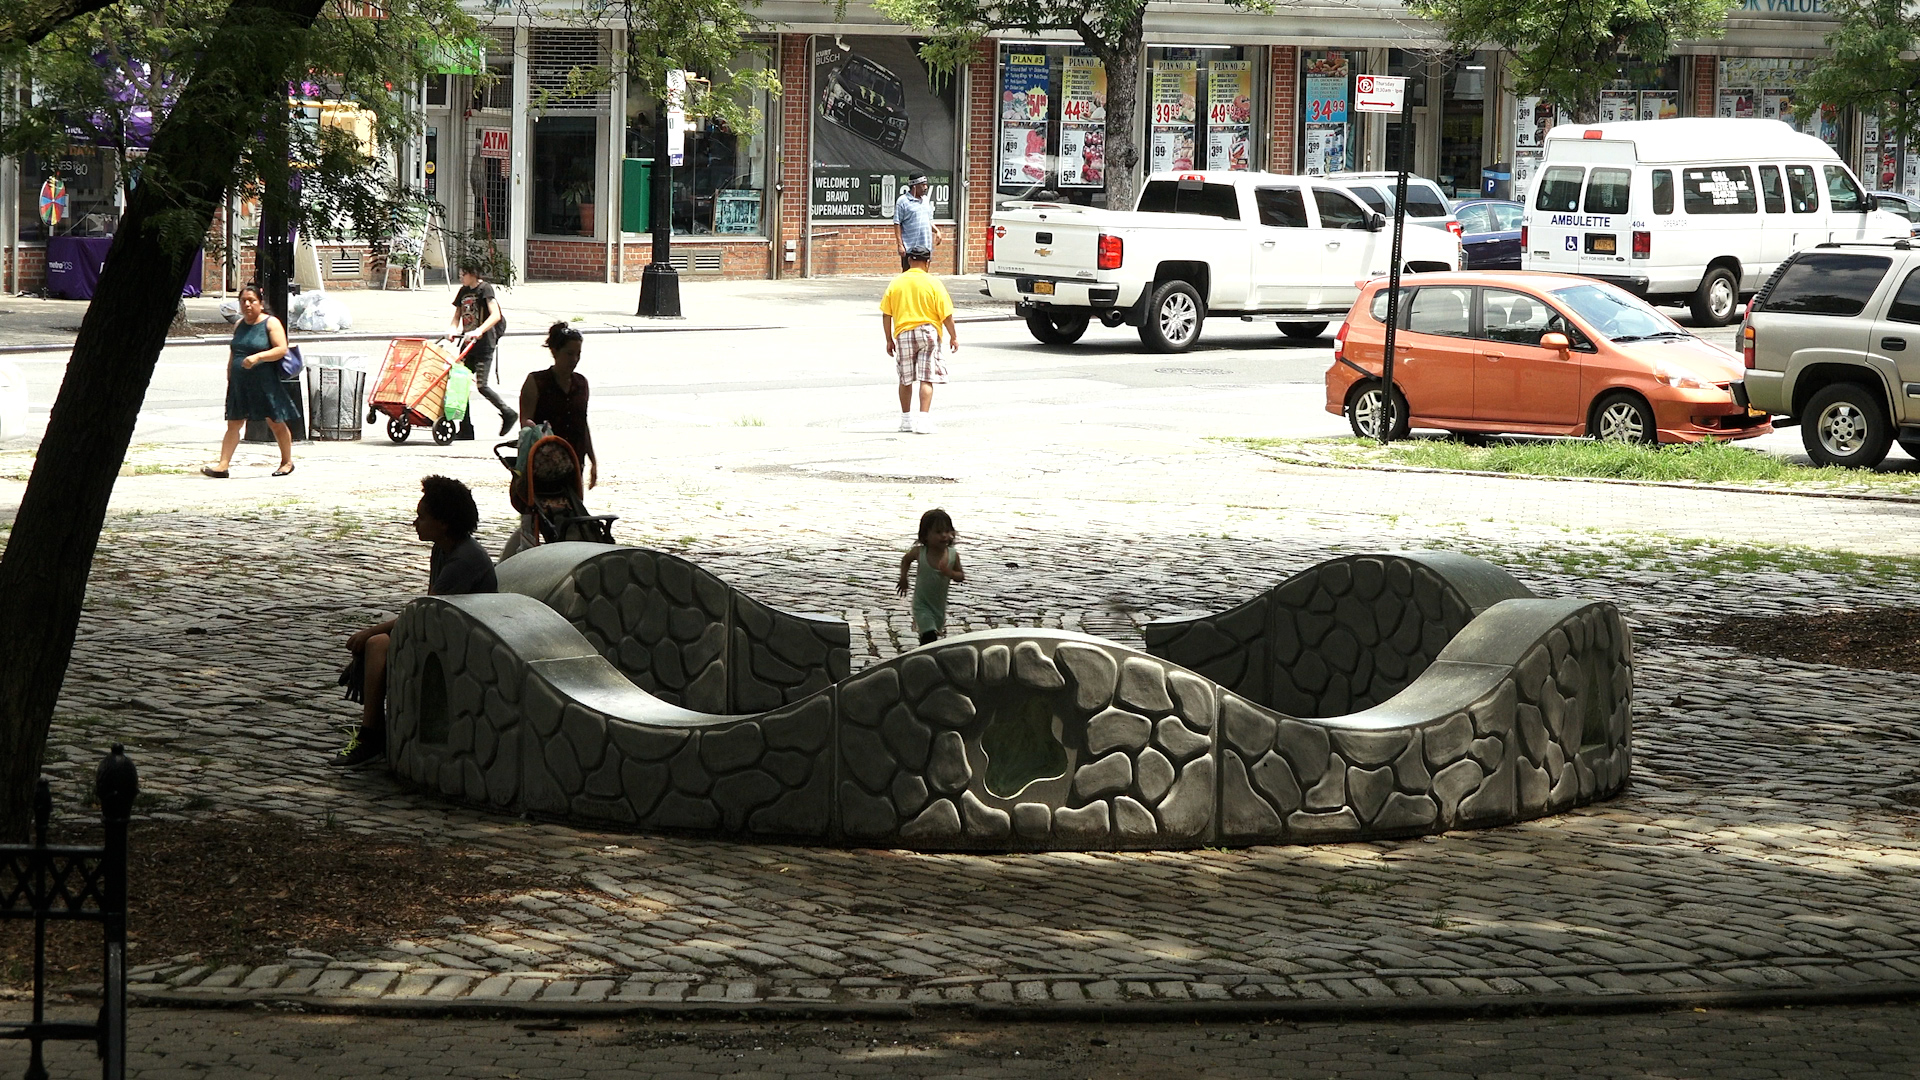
column 1555, row 340
column 1376, row 221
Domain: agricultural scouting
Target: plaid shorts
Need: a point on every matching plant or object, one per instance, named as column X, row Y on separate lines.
column 916, row 353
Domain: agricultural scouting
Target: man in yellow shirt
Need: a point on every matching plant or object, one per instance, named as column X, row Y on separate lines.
column 912, row 312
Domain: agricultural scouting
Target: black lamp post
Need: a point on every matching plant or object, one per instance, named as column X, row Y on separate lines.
column 659, row 283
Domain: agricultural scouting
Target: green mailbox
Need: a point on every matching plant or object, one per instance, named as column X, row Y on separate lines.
column 636, row 194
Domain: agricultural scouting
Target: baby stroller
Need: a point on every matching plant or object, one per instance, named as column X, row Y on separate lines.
column 546, row 490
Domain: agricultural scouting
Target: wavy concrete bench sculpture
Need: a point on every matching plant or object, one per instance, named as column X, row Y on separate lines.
column 1020, row 739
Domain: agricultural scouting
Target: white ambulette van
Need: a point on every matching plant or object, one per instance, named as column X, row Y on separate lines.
column 1694, row 210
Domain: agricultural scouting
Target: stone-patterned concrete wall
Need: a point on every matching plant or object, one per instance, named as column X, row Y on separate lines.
column 1340, row 637
column 679, row 632
column 498, row 701
column 1012, row 739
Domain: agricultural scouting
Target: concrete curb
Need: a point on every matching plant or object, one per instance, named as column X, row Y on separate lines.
column 1737, row 489
column 666, row 326
column 1322, row 1011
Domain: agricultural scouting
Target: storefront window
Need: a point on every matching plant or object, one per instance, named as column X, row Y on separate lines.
column 1411, row 66
column 1639, row 91
column 73, row 194
column 1199, row 105
column 1200, row 109
column 566, row 174
column 720, row 189
column 1330, row 134
column 1053, row 124
column 1463, row 120
column 880, row 116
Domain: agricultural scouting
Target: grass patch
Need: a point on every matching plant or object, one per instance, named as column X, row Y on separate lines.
column 1705, row 462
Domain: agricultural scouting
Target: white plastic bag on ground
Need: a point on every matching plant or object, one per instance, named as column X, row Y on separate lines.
column 316, row 312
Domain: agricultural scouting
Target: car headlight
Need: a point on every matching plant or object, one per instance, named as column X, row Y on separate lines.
column 1682, row 379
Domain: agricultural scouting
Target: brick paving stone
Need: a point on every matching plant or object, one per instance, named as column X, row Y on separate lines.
column 1756, row 834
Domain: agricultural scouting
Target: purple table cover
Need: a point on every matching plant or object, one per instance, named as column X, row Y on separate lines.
column 74, row 264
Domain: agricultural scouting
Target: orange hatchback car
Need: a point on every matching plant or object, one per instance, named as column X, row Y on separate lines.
column 1536, row 354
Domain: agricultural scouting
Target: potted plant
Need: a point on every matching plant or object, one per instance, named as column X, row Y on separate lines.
column 579, row 194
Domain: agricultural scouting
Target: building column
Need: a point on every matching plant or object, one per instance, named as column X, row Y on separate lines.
column 796, row 150
column 519, row 188
column 615, row 199
column 1706, row 70
column 1283, row 94
column 974, row 202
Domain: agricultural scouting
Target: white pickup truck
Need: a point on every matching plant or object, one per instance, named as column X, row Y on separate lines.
column 1292, row 248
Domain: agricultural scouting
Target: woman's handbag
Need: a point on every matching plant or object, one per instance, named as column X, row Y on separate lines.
column 291, row 363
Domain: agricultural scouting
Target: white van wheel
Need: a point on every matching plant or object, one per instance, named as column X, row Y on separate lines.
column 1714, row 301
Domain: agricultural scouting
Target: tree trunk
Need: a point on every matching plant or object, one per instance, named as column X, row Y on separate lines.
column 1122, row 57
column 43, row 573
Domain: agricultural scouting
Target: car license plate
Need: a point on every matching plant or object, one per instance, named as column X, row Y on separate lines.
column 1043, row 288
column 1601, row 245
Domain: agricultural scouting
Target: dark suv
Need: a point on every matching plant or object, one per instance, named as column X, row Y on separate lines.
column 869, row 101
column 1832, row 343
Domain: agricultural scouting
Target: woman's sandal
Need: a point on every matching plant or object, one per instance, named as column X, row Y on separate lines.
column 217, row 474
column 284, row 470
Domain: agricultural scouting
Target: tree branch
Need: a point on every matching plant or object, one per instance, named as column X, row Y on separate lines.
column 30, row 22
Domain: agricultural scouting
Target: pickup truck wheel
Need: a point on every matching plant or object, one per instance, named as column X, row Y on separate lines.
column 1845, row 425
column 1714, row 302
column 1056, row 329
column 1302, row 331
column 1363, row 413
column 1174, row 314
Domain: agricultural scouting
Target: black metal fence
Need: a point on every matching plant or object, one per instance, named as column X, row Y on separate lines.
column 43, row 882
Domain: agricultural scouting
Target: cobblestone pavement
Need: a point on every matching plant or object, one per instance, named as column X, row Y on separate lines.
column 1858, row 1042
column 1766, row 841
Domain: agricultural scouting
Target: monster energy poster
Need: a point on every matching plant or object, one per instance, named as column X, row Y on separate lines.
column 878, row 119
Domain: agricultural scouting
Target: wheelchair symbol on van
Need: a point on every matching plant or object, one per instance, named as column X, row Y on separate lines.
column 1573, row 243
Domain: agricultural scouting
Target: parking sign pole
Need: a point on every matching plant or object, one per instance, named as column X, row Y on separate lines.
column 1387, row 94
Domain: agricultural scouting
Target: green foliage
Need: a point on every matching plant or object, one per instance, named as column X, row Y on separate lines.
column 161, row 45
column 1873, row 66
column 484, row 253
column 1568, row 52
column 706, row 37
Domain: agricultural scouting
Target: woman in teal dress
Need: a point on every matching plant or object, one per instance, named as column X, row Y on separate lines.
column 254, row 391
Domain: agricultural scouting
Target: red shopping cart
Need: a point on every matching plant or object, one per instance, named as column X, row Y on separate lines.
column 412, row 388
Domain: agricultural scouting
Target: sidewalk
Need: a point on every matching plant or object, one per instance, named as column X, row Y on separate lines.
column 531, row 307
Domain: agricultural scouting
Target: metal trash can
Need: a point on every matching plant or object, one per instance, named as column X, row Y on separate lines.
column 339, row 397
column 259, row 432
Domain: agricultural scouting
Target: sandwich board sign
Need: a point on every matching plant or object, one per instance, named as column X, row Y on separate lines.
column 1379, row 93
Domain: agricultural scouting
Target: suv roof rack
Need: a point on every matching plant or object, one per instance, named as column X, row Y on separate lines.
column 1897, row 245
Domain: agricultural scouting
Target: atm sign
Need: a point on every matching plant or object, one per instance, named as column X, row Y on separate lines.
column 493, row 143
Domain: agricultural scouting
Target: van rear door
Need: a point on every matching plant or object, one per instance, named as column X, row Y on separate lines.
column 1605, row 239
column 1553, row 242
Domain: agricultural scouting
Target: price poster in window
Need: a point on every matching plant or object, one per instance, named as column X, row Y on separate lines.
column 1023, row 93
column 1023, row 154
column 1777, row 104
column 1175, row 83
column 1023, row 120
column 1083, row 122
column 1326, row 99
column 1229, row 114
column 1618, row 105
column 1736, row 101
column 1532, row 120
column 1659, row 104
column 1326, row 148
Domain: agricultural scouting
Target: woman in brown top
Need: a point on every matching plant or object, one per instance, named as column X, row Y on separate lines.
column 558, row 397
